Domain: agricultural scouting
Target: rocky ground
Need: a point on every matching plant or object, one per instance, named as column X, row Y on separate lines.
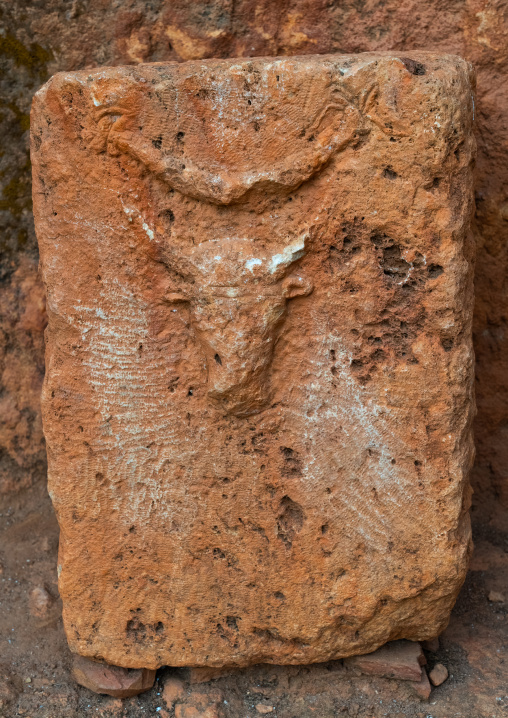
column 35, row 680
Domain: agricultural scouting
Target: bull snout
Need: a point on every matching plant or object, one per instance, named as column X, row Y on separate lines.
column 238, row 336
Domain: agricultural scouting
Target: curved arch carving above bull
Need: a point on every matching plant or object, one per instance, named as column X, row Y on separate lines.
column 244, row 145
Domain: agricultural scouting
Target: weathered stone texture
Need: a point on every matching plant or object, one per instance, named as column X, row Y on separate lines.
column 258, row 396
column 41, row 38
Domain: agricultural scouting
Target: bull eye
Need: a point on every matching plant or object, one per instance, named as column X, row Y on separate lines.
column 218, row 359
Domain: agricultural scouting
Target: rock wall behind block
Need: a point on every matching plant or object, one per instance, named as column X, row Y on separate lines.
column 38, row 39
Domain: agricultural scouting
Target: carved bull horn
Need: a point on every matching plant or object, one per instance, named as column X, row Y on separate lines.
column 332, row 129
column 232, row 262
column 286, row 256
column 251, row 154
column 225, row 187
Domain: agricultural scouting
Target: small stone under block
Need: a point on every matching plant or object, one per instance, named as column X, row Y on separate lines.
column 111, row 680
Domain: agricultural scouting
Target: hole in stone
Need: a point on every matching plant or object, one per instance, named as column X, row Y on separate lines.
column 394, row 266
column 378, row 239
column 435, row 270
column 389, row 173
column 324, row 529
column 447, row 344
column 167, row 215
column 292, row 464
column 290, row 520
column 279, row 595
column 218, row 359
column 412, row 66
column 190, row 392
column 232, row 622
column 136, row 629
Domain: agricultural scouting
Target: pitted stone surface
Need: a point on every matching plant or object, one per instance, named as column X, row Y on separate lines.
column 258, row 396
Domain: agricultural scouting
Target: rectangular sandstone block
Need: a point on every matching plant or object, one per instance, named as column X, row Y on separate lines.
column 258, row 396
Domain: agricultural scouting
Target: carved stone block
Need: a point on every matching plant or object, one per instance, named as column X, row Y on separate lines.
column 258, row 396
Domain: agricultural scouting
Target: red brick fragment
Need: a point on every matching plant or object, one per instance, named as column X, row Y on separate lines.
column 423, row 687
column 111, row 680
column 398, row 659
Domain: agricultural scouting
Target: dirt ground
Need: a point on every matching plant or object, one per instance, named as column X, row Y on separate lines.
column 35, row 679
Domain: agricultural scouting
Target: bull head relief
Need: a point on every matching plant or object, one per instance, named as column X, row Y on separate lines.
column 236, row 142
column 237, row 297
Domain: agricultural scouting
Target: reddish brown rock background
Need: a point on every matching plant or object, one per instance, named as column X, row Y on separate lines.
column 40, row 38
